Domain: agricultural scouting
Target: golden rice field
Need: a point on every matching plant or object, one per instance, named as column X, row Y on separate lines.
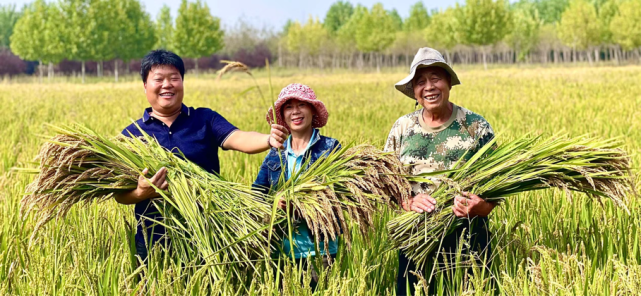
column 544, row 242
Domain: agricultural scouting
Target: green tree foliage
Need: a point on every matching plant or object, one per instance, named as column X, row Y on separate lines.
column 306, row 39
column 82, row 19
column 164, row 28
column 103, row 14
column 550, row 11
column 133, row 35
column 418, row 18
column 442, row 32
column 396, row 18
column 337, row 15
column 375, row 30
column 8, row 18
column 606, row 10
column 524, row 35
column 56, row 39
column 197, row 32
column 579, row 26
column 345, row 35
column 295, row 37
column 483, row 23
column 626, row 25
column 37, row 35
column 286, row 27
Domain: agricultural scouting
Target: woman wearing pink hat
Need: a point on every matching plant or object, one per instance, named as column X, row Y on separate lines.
column 298, row 109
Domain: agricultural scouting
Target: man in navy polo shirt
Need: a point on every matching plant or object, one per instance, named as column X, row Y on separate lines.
column 196, row 132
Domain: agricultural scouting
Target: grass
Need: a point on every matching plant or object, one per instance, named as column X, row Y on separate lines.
column 543, row 242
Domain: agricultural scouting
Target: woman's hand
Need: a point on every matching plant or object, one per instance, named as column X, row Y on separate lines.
column 420, row 203
column 471, row 205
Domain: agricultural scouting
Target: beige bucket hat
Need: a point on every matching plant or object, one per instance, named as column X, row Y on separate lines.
column 425, row 57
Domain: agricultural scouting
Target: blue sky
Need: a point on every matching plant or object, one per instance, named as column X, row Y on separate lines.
column 273, row 13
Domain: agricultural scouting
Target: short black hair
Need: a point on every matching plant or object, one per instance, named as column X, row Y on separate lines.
column 160, row 57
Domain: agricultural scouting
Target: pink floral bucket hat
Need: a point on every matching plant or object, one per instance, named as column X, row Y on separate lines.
column 303, row 93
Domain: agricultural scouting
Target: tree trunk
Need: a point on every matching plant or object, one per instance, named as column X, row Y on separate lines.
column 99, row 67
column 50, row 71
column 573, row 55
column 196, row 66
column 116, row 69
column 596, row 55
column 589, row 56
column 484, row 59
column 83, row 71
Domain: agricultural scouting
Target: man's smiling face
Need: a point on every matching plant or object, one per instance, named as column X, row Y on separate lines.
column 164, row 89
column 432, row 88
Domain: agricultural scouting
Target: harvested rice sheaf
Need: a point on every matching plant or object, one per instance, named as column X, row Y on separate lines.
column 207, row 218
column 345, row 187
column 597, row 168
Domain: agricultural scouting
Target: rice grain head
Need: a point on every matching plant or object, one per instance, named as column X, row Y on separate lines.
column 233, row 66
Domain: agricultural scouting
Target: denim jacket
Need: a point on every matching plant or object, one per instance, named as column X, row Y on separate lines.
column 271, row 169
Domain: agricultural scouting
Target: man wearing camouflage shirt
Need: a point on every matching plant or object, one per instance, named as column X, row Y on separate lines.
column 435, row 138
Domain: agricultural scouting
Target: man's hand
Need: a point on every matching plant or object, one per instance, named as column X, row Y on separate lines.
column 471, row 205
column 277, row 136
column 420, row 203
column 253, row 142
column 144, row 190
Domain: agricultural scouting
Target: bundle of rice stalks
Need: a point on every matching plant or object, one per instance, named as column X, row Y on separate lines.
column 344, row 187
column 598, row 168
column 209, row 220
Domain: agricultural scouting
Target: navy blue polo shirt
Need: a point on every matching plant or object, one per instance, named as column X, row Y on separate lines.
column 197, row 133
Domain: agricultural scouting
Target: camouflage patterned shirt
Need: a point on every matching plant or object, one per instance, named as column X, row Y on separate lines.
column 430, row 149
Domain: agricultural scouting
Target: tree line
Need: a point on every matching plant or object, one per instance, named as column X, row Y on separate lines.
column 110, row 30
column 479, row 31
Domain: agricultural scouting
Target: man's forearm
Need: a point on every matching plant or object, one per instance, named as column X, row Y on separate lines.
column 129, row 197
column 247, row 142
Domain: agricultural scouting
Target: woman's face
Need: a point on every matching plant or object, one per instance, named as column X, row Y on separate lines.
column 432, row 88
column 298, row 115
column 164, row 89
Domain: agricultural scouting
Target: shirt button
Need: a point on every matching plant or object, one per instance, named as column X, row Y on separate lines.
column 170, row 133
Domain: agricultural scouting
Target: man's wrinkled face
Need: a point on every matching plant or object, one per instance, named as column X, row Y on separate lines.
column 164, row 89
column 431, row 88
